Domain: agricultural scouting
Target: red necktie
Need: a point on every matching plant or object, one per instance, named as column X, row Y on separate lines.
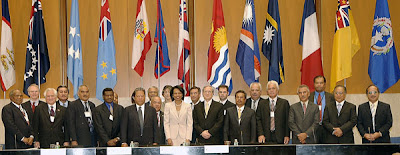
column 33, row 106
column 319, row 104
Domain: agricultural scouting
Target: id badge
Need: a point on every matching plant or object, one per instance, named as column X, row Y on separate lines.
column 272, row 114
column 52, row 119
column 88, row 114
column 224, row 112
column 111, row 117
column 320, row 107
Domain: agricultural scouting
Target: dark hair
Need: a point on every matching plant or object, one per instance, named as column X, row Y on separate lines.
column 62, row 86
column 366, row 90
column 195, row 87
column 337, row 86
column 320, row 76
column 223, row 86
column 107, row 89
column 171, row 93
column 166, row 87
column 134, row 93
column 241, row 91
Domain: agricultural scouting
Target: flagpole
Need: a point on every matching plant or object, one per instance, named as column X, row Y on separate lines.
column 141, row 81
column 158, row 68
column 345, row 82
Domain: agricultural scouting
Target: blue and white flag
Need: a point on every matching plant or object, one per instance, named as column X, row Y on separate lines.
column 106, row 67
column 74, row 71
column 383, row 66
column 37, row 56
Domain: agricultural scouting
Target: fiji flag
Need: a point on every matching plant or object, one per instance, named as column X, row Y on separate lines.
column 272, row 43
column 248, row 53
column 106, row 68
column 383, row 64
column 37, row 57
column 74, row 71
column 162, row 58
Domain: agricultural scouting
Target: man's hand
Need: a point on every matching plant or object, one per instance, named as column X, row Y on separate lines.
column 286, row 140
column 25, row 140
column 375, row 136
column 205, row 134
column 112, row 142
column 155, row 144
column 30, row 140
column 302, row 137
column 37, row 145
column 124, row 145
column 338, row 132
column 169, row 141
column 74, row 143
column 66, row 144
column 261, row 139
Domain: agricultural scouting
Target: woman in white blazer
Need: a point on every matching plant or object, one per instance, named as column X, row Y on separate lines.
column 178, row 121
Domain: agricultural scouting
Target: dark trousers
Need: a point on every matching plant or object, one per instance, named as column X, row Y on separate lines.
column 271, row 140
column 320, row 133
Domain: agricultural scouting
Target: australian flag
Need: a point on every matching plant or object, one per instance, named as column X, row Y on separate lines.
column 37, row 57
column 383, row 64
column 106, row 67
column 162, row 58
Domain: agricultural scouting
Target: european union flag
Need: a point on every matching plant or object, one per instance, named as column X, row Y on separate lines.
column 106, row 67
column 272, row 43
column 37, row 56
column 383, row 66
column 74, row 71
column 162, row 63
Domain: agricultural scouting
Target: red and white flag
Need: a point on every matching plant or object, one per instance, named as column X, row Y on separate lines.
column 184, row 47
column 7, row 67
column 311, row 65
column 141, row 38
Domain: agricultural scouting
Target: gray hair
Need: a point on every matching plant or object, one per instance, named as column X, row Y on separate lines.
column 273, row 82
column 257, row 83
column 303, row 86
column 49, row 89
column 212, row 88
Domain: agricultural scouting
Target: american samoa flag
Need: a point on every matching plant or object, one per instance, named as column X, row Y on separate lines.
column 218, row 69
column 162, row 63
column 184, row 48
column 248, row 53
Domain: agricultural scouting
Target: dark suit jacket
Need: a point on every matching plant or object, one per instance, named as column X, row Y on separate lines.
column 78, row 125
column 228, row 104
column 46, row 132
column 304, row 123
column 245, row 132
column 15, row 127
column 383, row 121
column 107, row 129
column 346, row 120
column 281, row 119
column 248, row 102
column 213, row 122
column 27, row 106
column 130, row 126
column 161, row 132
column 65, row 128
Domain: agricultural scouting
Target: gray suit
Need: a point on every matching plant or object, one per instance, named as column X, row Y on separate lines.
column 300, row 123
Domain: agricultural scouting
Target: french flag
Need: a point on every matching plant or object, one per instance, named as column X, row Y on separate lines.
column 311, row 65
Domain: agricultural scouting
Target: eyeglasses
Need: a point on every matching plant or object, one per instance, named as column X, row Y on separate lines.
column 372, row 92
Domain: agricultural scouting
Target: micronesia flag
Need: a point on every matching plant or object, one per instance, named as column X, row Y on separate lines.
column 7, row 67
column 218, row 69
column 74, row 69
column 162, row 63
column 248, row 53
column 383, row 66
column 272, row 43
column 184, row 48
column 311, row 65
column 36, row 50
column 106, row 67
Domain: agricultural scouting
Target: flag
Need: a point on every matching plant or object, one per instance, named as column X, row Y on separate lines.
column 311, row 65
column 162, row 59
column 345, row 43
column 7, row 67
column 37, row 56
column 106, row 67
column 248, row 53
column 383, row 66
column 74, row 69
column 141, row 38
column 272, row 43
column 184, row 48
column 218, row 69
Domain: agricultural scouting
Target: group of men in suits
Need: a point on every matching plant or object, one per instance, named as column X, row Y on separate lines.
column 319, row 117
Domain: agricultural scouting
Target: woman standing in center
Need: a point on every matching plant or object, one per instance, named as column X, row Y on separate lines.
column 178, row 121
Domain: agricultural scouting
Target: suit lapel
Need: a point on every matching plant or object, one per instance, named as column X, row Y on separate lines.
column 235, row 114
column 19, row 111
column 203, row 112
column 135, row 114
column 58, row 116
column 344, row 106
column 174, row 112
column 308, row 109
